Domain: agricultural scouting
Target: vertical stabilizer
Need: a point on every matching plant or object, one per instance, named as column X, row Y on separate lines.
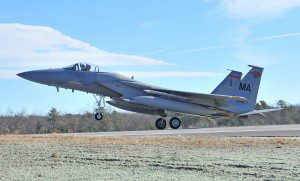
column 248, row 88
column 226, row 87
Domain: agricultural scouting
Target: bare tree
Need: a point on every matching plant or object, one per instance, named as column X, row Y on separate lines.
column 21, row 123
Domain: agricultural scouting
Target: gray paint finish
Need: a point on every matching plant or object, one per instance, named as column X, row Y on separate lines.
column 237, row 100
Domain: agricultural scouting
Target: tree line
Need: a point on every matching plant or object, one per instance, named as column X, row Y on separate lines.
column 55, row 122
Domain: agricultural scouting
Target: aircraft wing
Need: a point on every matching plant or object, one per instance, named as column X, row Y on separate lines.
column 213, row 100
column 261, row 112
column 108, row 90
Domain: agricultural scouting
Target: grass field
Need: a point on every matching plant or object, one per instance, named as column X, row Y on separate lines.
column 60, row 157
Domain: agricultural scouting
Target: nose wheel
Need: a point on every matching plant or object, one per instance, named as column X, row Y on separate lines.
column 98, row 116
column 101, row 105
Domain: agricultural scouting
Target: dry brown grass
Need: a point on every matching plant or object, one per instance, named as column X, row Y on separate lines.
column 184, row 141
column 87, row 157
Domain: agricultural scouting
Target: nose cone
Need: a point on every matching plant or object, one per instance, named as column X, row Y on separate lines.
column 25, row 75
column 53, row 77
column 31, row 75
column 39, row 76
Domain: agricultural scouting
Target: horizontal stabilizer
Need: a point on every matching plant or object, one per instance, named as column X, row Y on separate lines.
column 260, row 112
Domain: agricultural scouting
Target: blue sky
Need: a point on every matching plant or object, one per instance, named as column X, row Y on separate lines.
column 185, row 45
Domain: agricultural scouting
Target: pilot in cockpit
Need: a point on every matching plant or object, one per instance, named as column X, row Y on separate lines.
column 85, row 68
column 82, row 67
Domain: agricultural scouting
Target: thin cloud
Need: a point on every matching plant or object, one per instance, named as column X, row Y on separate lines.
column 275, row 36
column 255, row 57
column 9, row 74
column 235, row 45
column 14, row 16
column 155, row 52
column 256, row 9
column 24, row 46
column 206, row 48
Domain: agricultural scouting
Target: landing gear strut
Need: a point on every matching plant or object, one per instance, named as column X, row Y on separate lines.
column 101, row 105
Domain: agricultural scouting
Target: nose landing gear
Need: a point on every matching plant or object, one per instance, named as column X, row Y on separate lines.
column 98, row 116
column 101, row 105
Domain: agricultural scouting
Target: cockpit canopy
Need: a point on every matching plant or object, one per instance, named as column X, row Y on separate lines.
column 85, row 67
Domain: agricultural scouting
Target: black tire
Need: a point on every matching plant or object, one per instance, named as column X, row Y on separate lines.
column 98, row 116
column 175, row 123
column 160, row 123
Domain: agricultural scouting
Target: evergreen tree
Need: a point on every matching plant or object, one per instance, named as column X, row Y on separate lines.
column 53, row 117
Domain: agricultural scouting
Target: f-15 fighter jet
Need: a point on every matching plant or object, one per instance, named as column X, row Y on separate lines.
column 233, row 96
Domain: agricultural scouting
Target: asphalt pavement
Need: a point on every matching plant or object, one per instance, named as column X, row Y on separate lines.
column 270, row 130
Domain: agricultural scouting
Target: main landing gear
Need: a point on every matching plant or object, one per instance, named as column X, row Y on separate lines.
column 174, row 123
column 100, row 101
column 160, row 123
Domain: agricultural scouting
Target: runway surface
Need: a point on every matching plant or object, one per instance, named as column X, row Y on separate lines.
column 270, row 130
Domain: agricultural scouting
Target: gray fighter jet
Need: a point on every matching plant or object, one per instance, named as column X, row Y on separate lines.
column 234, row 97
